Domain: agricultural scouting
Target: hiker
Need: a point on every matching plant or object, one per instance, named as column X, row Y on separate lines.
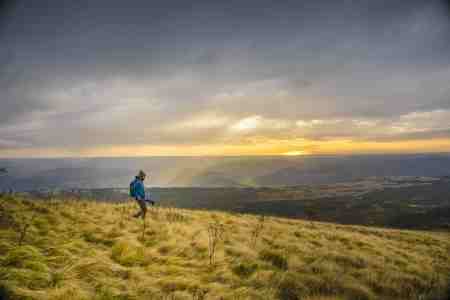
column 137, row 191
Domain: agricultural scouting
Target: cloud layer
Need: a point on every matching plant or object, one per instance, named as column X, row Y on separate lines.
column 83, row 75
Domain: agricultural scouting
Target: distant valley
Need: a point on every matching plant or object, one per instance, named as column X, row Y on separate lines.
column 409, row 191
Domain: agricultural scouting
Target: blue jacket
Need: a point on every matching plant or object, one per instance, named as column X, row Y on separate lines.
column 139, row 189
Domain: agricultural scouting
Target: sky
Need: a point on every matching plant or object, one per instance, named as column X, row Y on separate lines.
column 137, row 78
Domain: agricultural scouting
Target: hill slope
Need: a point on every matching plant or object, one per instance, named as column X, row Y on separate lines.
column 85, row 250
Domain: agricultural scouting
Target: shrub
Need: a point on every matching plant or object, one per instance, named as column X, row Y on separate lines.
column 176, row 284
column 19, row 255
column 28, row 278
column 215, row 235
column 42, row 225
column 350, row 261
column 96, row 239
column 172, row 215
column 256, row 231
column 198, row 293
column 275, row 258
column 22, row 225
column 357, row 291
column 128, row 255
column 119, row 250
column 244, row 269
column 105, row 293
column 91, row 269
column 291, row 288
column 25, row 266
column 56, row 278
column 4, row 248
column 321, row 285
column 36, row 266
column 165, row 249
column 4, row 292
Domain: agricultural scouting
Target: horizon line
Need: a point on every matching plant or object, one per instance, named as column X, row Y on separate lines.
column 229, row 156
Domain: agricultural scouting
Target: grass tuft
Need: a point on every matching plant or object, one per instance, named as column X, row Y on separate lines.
column 291, row 288
column 244, row 269
column 128, row 254
column 277, row 259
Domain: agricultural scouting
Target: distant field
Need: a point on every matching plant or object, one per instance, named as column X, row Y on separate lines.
column 61, row 249
column 403, row 204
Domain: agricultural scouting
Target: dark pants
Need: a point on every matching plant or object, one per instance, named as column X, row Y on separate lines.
column 143, row 209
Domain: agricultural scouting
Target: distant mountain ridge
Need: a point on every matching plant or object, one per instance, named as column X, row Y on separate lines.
column 26, row 174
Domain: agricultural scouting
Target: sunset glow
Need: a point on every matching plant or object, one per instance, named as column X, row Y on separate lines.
column 271, row 147
column 295, row 153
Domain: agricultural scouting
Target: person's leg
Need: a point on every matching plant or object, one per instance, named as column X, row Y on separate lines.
column 139, row 213
column 143, row 207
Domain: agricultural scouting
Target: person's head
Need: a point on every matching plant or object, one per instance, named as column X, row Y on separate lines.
column 141, row 175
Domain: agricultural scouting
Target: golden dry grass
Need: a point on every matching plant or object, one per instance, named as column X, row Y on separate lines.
column 89, row 250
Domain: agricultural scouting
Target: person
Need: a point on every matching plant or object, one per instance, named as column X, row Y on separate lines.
column 137, row 191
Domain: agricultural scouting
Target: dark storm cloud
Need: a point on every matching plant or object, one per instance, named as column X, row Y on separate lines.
column 85, row 72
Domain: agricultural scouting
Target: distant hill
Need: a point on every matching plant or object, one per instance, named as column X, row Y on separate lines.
column 294, row 176
column 86, row 250
column 28, row 174
column 87, row 177
column 196, row 178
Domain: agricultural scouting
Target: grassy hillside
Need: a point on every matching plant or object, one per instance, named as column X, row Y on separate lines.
column 85, row 250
